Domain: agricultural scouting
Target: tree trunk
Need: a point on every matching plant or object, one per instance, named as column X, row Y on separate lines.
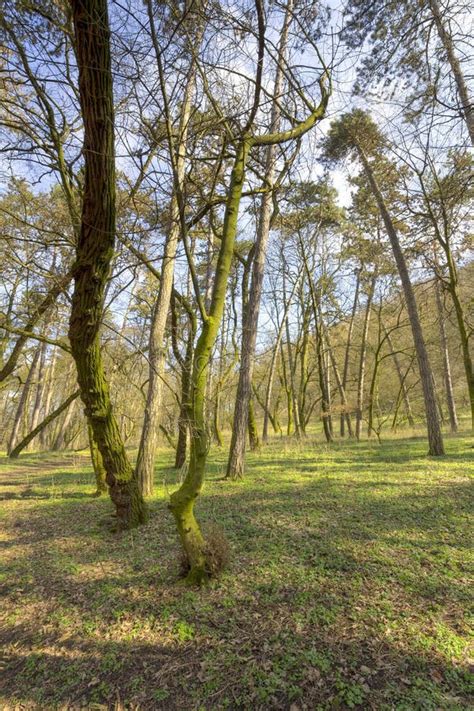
column 402, row 379
column 97, row 463
column 273, row 364
column 345, row 417
column 21, row 409
column 95, row 250
column 44, row 423
column 182, row 501
column 463, row 334
column 254, row 440
column 453, row 419
column 463, row 91
column 435, row 437
column 183, row 423
column 236, row 462
column 40, row 387
column 340, row 386
column 363, row 357
column 50, row 378
column 145, row 465
column 291, row 378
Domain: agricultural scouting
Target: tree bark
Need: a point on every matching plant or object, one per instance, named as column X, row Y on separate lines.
column 402, row 379
column 345, row 417
column 145, row 465
column 273, row 364
column 182, row 501
column 363, row 357
column 236, row 461
column 448, row 382
column 435, row 437
column 95, row 250
column 23, row 400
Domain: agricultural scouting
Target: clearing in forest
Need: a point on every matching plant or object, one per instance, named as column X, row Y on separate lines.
column 348, row 585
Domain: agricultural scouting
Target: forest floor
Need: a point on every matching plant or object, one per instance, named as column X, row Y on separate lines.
column 348, row 585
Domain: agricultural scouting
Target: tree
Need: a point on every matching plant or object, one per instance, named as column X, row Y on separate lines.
column 401, row 45
column 94, row 253
column 356, row 133
column 243, row 401
column 244, row 141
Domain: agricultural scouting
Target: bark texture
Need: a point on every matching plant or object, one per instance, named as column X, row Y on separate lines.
column 95, row 251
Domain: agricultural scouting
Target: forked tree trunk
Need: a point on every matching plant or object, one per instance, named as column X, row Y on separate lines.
column 435, row 437
column 95, row 250
column 182, row 501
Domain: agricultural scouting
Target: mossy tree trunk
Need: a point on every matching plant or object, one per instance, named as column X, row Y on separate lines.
column 97, row 463
column 95, row 251
column 182, row 501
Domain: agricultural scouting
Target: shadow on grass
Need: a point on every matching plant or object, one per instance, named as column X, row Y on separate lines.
column 340, row 556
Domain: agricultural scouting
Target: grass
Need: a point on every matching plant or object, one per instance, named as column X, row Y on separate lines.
column 348, row 585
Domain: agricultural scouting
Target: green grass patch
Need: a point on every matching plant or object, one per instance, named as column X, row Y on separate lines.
column 348, row 587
